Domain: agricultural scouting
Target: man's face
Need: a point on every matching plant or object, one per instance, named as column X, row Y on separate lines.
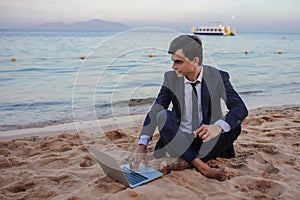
column 181, row 64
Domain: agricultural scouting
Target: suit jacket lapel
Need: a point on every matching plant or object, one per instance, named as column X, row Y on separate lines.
column 179, row 92
column 205, row 97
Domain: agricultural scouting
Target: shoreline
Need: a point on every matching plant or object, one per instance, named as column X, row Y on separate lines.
column 104, row 124
column 94, row 126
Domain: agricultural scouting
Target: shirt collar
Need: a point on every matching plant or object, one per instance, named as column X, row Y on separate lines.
column 198, row 79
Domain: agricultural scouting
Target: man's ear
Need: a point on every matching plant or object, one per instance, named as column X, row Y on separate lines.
column 196, row 61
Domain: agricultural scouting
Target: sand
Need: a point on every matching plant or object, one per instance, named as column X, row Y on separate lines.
column 53, row 162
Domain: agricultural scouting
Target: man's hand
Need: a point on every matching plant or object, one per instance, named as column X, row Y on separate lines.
column 138, row 157
column 207, row 132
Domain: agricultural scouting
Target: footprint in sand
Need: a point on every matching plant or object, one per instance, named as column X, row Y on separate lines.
column 268, row 118
column 264, row 165
column 106, row 185
column 87, row 161
column 254, row 121
column 54, row 163
column 5, row 162
column 259, row 187
column 266, row 148
column 115, row 135
column 120, row 139
column 60, row 178
column 21, row 187
column 4, row 152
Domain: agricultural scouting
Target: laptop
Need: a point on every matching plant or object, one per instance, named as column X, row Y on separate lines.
column 123, row 173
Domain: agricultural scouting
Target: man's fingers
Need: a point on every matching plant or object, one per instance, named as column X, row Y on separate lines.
column 137, row 162
column 130, row 163
column 201, row 133
column 133, row 162
column 195, row 134
column 146, row 160
column 138, row 158
column 206, row 139
column 197, row 131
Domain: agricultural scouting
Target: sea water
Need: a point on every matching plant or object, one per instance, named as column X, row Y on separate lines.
column 62, row 76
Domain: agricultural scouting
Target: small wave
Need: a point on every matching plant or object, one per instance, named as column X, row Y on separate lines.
column 6, row 79
column 64, row 71
column 33, row 69
column 130, row 102
column 26, row 106
column 251, row 92
column 135, row 102
column 40, row 124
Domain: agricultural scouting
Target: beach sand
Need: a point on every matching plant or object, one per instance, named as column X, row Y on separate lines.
column 55, row 164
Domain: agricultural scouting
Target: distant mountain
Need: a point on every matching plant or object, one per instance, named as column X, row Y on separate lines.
column 93, row 24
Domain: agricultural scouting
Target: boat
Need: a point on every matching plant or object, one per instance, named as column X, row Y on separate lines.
column 219, row 29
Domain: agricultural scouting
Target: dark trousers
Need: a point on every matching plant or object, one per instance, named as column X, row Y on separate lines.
column 178, row 144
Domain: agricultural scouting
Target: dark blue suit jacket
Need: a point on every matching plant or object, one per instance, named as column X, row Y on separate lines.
column 214, row 87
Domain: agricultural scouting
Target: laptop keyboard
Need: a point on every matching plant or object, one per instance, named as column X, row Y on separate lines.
column 134, row 178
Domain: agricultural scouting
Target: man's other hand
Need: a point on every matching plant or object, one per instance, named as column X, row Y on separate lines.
column 207, row 132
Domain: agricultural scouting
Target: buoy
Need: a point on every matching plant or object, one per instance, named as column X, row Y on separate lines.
column 150, row 55
column 13, row 59
column 279, row 52
column 82, row 57
column 246, row 52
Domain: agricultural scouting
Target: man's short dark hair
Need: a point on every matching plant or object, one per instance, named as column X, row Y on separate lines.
column 191, row 47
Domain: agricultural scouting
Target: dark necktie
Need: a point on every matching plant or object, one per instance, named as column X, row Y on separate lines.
column 195, row 112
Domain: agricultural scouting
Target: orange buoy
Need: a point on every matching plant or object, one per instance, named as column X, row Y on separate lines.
column 13, row 59
column 82, row 57
column 150, row 55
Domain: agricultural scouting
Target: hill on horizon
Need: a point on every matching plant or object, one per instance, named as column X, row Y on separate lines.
column 93, row 24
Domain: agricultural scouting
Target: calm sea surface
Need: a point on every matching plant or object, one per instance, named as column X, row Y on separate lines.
column 122, row 72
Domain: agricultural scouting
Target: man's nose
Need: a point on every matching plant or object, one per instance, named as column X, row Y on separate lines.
column 174, row 66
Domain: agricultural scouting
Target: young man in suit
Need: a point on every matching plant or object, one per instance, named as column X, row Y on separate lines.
column 194, row 129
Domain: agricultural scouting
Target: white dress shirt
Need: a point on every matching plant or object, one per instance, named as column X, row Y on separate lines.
column 186, row 117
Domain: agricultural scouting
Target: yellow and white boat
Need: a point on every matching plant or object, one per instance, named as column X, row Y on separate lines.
column 213, row 30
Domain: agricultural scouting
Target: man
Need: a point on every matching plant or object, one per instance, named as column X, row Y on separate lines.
column 195, row 129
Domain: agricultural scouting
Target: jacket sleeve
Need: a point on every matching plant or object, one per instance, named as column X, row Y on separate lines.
column 162, row 102
column 237, row 110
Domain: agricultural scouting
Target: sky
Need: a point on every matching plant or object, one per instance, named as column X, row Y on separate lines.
column 244, row 15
